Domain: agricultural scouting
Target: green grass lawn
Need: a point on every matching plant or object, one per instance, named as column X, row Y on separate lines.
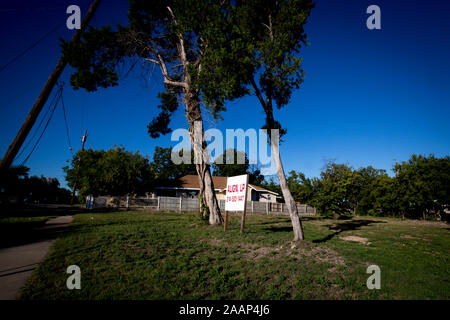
column 139, row 255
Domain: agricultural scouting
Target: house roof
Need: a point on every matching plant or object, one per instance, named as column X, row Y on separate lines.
column 191, row 182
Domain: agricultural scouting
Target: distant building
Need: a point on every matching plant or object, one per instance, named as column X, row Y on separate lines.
column 188, row 187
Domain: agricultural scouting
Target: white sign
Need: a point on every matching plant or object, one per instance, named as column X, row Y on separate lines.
column 236, row 193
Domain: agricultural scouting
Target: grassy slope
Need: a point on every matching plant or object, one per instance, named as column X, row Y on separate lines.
column 137, row 255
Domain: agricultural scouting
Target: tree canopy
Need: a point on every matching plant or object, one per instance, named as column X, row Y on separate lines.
column 164, row 168
column 114, row 172
column 419, row 189
column 226, row 165
column 15, row 183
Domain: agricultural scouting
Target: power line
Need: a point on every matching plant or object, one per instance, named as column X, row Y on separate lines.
column 30, row 120
column 39, row 126
column 65, row 121
column 32, row 9
column 17, row 57
column 46, row 125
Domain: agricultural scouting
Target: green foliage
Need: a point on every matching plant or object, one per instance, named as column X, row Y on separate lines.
column 95, row 58
column 169, row 104
column 16, row 183
column 11, row 178
column 423, row 184
column 227, row 165
column 230, row 166
column 336, row 189
column 113, row 172
column 117, row 172
column 153, row 34
column 164, row 168
column 419, row 189
column 264, row 39
column 302, row 188
column 271, row 185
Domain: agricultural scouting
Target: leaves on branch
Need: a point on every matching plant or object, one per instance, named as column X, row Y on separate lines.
column 95, row 58
column 169, row 104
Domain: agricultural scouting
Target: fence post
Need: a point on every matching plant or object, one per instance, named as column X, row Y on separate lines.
column 181, row 200
column 267, row 207
column 158, row 203
column 252, row 207
column 128, row 202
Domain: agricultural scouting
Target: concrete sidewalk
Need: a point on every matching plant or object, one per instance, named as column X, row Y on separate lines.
column 17, row 263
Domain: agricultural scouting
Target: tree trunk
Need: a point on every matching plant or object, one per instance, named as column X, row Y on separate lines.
column 291, row 205
column 209, row 206
column 209, row 196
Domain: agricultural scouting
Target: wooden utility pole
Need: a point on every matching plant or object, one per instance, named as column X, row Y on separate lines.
column 42, row 99
column 83, row 140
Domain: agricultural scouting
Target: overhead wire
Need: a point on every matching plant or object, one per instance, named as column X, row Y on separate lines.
column 21, row 9
column 18, row 56
column 65, row 121
column 22, row 150
column 59, row 93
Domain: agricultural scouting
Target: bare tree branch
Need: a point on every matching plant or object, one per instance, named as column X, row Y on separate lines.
column 180, row 38
column 269, row 27
column 151, row 60
column 165, row 73
column 132, row 38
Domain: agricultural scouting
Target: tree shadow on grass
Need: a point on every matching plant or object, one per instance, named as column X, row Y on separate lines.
column 286, row 219
column 346, row 226
column 26, row 232
column 18, row 234
column 272, row 222
column 279, row 229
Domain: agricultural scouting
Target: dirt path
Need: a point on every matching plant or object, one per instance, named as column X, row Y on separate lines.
column 17, row 263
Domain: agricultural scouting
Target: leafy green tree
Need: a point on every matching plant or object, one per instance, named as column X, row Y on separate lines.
column 335, row 189
column 277, row 33
column 380, row 198
column 226, row 165
column 11, row 181
column 422, row 185
column 176, row 36
column 342, row 190
column 15, row 182
column 367, row 183
column 255, row 176
column 113, row 172
column 165, row 169
column 302, row 188
column 264, row 40
column 419, row 189
column 271, row 185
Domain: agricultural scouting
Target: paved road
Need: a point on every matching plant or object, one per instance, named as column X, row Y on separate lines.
column 17, row 263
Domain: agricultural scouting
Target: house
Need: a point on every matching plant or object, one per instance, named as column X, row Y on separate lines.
column 188, row 187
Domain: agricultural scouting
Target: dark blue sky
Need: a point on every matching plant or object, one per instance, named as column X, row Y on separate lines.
column 369, row 96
